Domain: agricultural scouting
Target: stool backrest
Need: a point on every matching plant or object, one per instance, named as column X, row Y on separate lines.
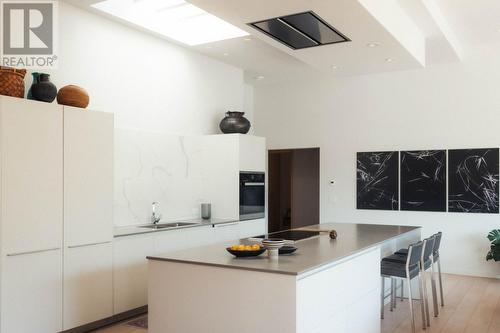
column 437, row 243
column 414, row 254
column 428, row 247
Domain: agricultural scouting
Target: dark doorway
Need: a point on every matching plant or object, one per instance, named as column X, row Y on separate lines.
column 293, row 188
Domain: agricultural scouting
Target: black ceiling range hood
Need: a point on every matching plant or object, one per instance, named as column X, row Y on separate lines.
column 300, row 31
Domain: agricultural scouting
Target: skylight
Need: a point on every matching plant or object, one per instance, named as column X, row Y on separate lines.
column 176, row 19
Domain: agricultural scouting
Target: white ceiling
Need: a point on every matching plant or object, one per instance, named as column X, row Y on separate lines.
column 411, row 33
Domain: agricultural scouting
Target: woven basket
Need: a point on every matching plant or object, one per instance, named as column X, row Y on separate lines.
column 12, row 81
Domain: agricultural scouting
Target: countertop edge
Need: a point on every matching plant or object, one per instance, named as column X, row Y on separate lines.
column 199, row 263
column 141, row 231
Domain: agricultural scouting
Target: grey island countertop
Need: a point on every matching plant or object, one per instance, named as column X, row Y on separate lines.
column 312, row 254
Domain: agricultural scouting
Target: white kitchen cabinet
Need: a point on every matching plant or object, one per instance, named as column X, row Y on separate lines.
column 57, row 186
column 88, row 176
column 130, row 271
column 175, row 240
column 249, row 228
column 130, row 283
column 170, row 240
column 88, row 216
column 252, row 153
column 221, row 175
column 88, row 284
column 200, row 236
column 224, row 156
column 31, row 137
column 31, row 292
column 31, row 220
column 227, row 231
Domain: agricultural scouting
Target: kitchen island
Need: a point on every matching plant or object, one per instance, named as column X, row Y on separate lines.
column 327, row 286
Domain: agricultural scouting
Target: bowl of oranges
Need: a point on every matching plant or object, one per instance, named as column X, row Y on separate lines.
column 246, row 250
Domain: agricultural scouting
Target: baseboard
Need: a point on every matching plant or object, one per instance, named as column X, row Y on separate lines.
column 108, row 321
column 491, row 275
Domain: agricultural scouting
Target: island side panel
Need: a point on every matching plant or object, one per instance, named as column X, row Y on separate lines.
column 343, row 298
column 187, row 298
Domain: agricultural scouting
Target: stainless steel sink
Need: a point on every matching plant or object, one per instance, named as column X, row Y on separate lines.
column 169, row 225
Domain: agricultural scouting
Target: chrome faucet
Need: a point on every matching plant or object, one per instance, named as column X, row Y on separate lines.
column 155, row 217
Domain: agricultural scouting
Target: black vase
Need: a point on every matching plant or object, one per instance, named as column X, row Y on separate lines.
column 234, row 122
column 42, row 89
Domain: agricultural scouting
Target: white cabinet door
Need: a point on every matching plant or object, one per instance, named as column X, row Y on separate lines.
column 130, row 271
column 88, row 176
column 31, row 293
column 252, row 153
column 251, row 228
column 31, row 137
column 227, row 231
column 200, row 236
column 88, row 284
column 221, row 175
column 180, row 239
column 170, row 240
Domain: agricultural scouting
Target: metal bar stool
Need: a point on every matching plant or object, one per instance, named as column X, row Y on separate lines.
column 426, row 262
column 435, row 259
column 408, row 270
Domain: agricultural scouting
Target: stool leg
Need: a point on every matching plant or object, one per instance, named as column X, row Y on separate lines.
column 395, row 292
column 426, row 299
column 402, row 289
column 434, row 291
column 382, row 298
column 421, row 288
column 411, row 305
column 440, row 281
column 392, row 293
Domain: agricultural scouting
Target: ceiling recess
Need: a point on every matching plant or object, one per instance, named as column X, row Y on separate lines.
column 300, row 31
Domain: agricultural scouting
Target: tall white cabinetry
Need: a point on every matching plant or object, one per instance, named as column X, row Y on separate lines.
column 31, row 222
column 225, row 155
column 56, row 216
column 88, row 216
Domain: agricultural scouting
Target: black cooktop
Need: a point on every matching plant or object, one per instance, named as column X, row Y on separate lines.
column 293, row 235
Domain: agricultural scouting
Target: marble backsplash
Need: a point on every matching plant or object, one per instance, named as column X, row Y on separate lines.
column 156, row 167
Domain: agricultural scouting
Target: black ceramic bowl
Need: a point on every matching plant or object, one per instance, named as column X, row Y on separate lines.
column 287, row 249
column 243, row 254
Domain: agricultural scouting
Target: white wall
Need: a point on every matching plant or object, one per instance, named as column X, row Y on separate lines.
column 160, row 90
column 147, row 82
column 448, row 106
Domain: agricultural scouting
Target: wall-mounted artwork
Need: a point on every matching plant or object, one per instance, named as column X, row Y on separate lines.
column 473, row 180
column 423, row 180
column 377, row 180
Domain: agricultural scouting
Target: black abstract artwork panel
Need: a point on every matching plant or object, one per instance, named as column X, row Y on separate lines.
column 473, row 180
column 377, row 180
column 423, row 180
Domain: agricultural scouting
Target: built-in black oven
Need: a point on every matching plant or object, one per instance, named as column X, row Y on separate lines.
column 252, row 195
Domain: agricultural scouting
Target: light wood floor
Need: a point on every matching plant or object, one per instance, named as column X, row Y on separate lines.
column 472, row 305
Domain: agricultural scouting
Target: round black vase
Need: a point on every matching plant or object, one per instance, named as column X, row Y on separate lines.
column 234, row 122
column 43, row 90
